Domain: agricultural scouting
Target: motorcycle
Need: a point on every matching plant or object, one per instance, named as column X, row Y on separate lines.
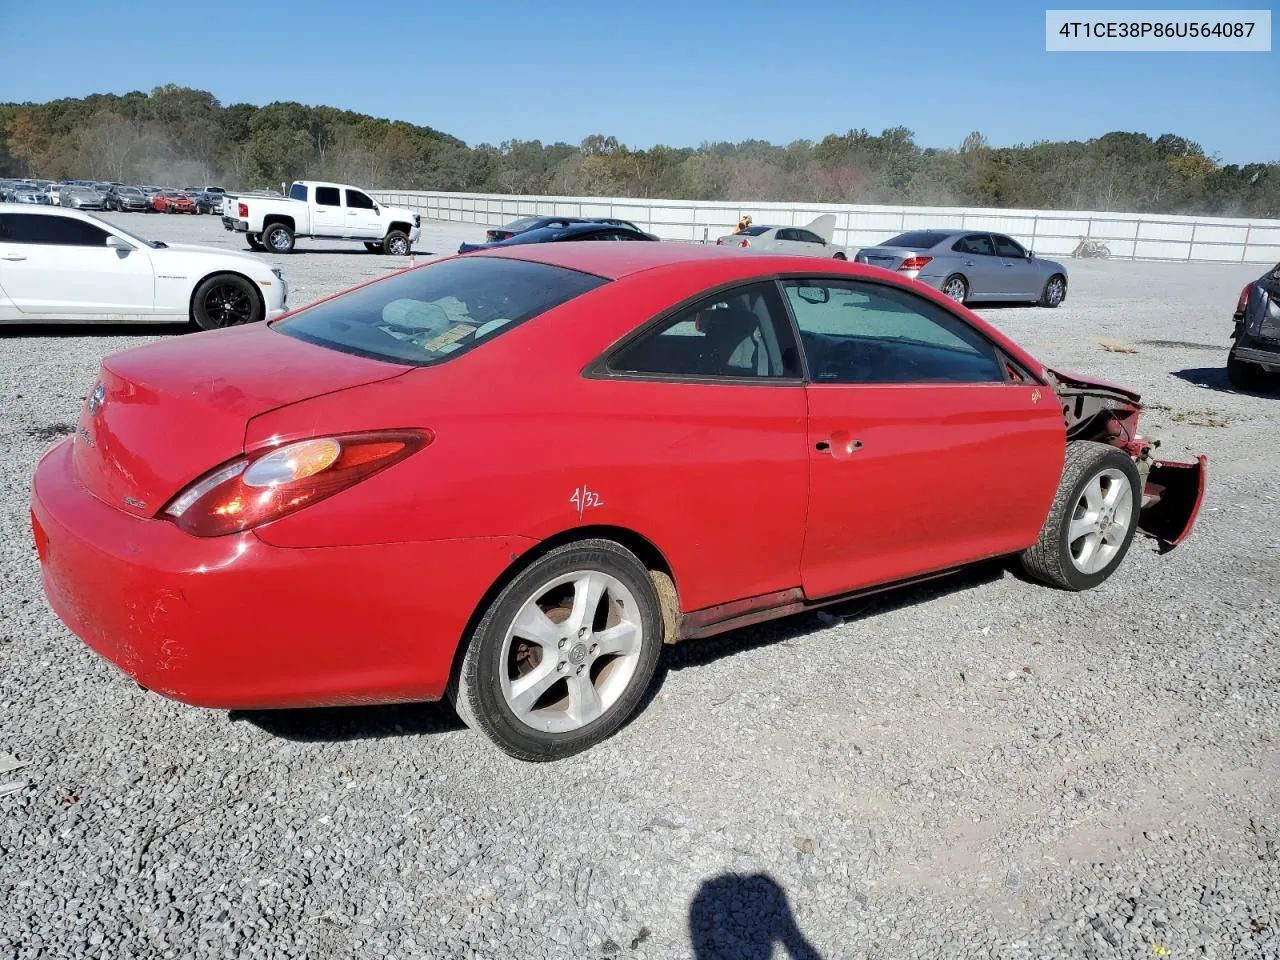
column 1088, row 247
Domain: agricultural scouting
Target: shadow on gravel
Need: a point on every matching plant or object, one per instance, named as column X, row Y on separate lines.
column 1215, row 378
column 323, row 724
column 331, row 724
column 92, row 329
column 742, row 917
column 697, row 653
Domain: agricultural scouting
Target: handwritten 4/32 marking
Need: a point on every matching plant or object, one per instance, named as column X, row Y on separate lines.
column 583, row 498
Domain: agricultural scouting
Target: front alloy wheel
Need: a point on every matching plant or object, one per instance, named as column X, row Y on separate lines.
column 562, row 657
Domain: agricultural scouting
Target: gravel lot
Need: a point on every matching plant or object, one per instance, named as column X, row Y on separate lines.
column 980, row 767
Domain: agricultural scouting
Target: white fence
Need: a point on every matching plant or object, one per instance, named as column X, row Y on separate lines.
column 1048, row 232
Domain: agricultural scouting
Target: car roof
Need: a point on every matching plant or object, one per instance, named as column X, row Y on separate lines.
column 40, row 210
column 613, row 261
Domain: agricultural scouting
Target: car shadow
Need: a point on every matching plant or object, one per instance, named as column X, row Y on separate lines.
column 743, row 917
column 333, row 724
column 1215, row 378
column 93, row 329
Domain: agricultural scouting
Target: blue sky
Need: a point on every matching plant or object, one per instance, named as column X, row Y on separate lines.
column 656, row 71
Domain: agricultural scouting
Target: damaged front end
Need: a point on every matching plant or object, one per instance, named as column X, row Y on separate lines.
column 1102, row 412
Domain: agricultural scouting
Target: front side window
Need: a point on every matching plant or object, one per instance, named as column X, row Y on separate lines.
column 808, row 236
column 427, row 315
column 359, row 201
column 1006, row 247
column 52, row 230
column 742, row 334
column 853, row 332
column 328, row 197
column 976, row 244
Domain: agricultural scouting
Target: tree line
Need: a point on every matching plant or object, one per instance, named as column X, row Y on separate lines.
column 176, row 135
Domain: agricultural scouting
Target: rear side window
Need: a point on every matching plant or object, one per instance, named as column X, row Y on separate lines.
column 427, row 315
column 917, row 239
column 298, row 191
column 59, row 231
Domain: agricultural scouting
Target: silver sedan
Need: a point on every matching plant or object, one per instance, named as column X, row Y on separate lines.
column 971, row 265
column 813, row 240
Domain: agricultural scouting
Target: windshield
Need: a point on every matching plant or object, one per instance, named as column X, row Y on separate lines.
column 524, row 223
column 917, row 239
column 130, row 191
column 426, row 315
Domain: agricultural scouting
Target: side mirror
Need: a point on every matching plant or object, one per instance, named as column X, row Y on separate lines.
column 1031, row 254
column 116, row 243
column 813, row 295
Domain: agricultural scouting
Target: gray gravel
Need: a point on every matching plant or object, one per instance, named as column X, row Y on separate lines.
column 981, row 767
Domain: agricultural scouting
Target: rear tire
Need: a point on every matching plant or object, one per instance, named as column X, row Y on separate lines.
column 839, row 256
column 1092, row 520
column 225, row 300
column 1055, row 291
column 373, row 247
column 1249, row 377
column 254, row 241
column 956, row 287
column 278, row 238
column 564, row 653
column 396, row 244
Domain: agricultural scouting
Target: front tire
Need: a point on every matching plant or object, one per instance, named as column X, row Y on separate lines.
column 396, row 243
column 955, row 287
column 563, row 655
column 225, row 300
column 1055, row 291
column 278, row 238
column 1092, row 520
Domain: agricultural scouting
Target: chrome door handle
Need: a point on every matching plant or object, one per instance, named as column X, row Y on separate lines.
column 968, row 263
column 849, row 446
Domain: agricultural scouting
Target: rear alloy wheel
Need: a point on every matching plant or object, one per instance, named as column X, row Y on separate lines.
column 1055, row 291
column 396, row 244
column 1092, row 520
column 563, row 655
column 225, row 300
column 278, row 238
column 956, row 288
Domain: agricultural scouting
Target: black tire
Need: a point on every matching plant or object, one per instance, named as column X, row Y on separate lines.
column 487, row 661
column 277, row 238
column 373, row 247
column 958, row 282
column 1250, row 377
column 1051, row 297
column 1053, row 560
column 254, row 241
column 226, row 300
column 396, row 243
column 839, row 256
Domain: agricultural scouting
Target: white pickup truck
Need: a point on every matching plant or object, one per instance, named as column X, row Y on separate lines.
column 328, row 211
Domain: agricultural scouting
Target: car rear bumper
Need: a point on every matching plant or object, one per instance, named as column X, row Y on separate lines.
column 1259, row 355
column 233, row 622
column 231, row 223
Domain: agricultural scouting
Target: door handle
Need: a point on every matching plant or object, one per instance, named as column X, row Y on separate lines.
column 968, row 263
column 840, row 444
column 13, row 256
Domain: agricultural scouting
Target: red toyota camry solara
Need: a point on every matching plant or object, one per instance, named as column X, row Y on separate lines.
column 510, row 477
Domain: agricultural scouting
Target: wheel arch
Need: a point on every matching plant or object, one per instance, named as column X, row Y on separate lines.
column 645, row 550
column 283, row 219
column 405, row 228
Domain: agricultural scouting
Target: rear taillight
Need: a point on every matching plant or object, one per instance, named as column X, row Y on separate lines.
column 1243, row 303
column 271, row 483
column 744, row 243
column 913, row 263
column 243, row 210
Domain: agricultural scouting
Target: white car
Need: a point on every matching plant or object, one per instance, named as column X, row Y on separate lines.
column 329, row 211
column 62, row 265
column 813, row 240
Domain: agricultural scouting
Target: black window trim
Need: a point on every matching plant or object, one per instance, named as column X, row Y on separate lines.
column 601, row 367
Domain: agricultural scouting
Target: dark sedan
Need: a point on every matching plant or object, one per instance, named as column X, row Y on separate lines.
column 525, row 224
column 576, row 230
column 127, row 199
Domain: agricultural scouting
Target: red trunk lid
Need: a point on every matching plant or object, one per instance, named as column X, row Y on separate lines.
column 164, row 414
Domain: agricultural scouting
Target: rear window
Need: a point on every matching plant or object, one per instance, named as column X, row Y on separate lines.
column 298, row 191
column 524, row 223
column 427, row 315
column 753, row 231
column 917, row 239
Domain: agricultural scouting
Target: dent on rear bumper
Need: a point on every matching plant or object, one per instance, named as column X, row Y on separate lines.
column 234, row 622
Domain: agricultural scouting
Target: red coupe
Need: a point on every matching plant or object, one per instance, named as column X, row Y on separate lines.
column 510, row 477
column 169, row 202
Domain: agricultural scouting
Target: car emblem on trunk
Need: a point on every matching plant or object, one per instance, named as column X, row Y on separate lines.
column 96, row 399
